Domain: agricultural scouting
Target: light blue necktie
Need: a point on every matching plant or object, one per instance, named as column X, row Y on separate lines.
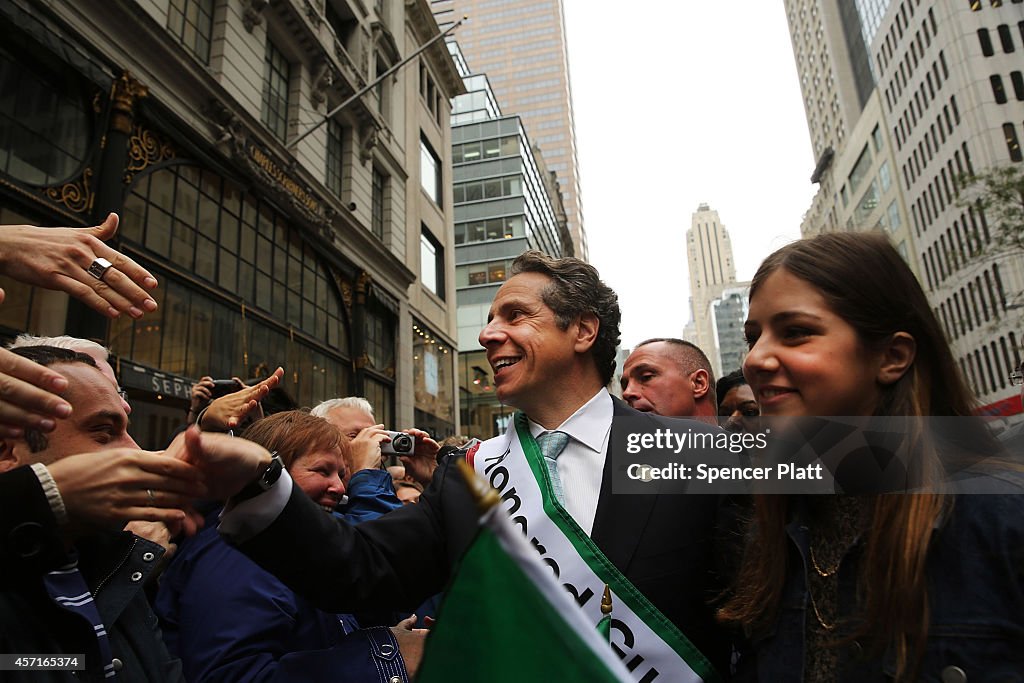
column 551, row 446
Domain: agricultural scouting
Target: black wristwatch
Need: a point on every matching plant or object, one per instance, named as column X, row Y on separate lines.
column 265, row 480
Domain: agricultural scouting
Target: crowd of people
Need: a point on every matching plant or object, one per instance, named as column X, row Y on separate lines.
column 269, row 542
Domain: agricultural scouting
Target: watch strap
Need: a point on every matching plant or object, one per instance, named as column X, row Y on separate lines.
column 262, row 483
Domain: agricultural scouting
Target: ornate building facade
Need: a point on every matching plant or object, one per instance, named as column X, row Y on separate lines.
column 332, row 256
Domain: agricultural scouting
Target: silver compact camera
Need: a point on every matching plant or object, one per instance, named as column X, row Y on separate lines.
column 400, row 444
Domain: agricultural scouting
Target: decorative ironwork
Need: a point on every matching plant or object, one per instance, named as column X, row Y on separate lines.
column 363, row 284
column 346, row 293
column 123, row 94
column 77, row 195
column 37, row 198
column 146, row 148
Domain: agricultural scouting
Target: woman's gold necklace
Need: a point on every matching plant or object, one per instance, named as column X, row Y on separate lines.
column 827, row 572
column 817, row 614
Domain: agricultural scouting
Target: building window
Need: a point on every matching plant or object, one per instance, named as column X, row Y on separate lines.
column 429, row 93
column 486, row 149
column 894, row 215
column 379, row 339
column 998, row 91
column 884, row 176
column 487, row 273
column 276, row 77
column 1012, row 144
column 1005, row 37
column 433, row 382
column 492, row 188
column 191, row 22
column 876, row 138
column 335, row 158
column 986, row 42
column 1018, row 84
column 860, row 170
column 46, row 122
column 186, row 336
column 431, row 263
column 430, row 172
column 382, row 93
column 380, row 182
column 490, row 229
column 213, row 230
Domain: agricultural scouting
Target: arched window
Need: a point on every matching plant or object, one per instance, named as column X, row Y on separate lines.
column 258, row 297
column 46, row 122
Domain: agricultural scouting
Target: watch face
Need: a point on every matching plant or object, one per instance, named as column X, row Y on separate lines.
column 273, row 472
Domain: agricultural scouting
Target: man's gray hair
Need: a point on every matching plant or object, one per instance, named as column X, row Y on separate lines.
column 357, row 402
column 62, row 342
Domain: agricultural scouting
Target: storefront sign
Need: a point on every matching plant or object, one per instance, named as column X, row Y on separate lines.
column 140, row 377
column 278, row 175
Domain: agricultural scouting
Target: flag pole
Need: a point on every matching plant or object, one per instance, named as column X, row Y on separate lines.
column 376, row 81
column 604, row 627
column 484, row 495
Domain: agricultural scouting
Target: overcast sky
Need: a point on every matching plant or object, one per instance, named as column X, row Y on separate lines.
column 678, row 103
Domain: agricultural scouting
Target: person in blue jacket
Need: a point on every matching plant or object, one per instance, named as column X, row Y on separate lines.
column 229, row 620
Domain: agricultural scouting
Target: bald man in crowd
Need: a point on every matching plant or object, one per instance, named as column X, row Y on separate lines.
column 670, row 377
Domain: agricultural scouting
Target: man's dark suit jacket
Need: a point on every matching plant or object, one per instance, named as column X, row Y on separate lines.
column 664, row 544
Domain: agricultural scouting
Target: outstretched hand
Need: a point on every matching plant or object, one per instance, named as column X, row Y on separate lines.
column 228, row 411
column 59, row 259
column 28, row 395
column 227, row 464
column 112, row 487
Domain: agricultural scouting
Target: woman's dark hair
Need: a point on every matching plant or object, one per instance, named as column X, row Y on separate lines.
column 890, row 300
column 865, row 282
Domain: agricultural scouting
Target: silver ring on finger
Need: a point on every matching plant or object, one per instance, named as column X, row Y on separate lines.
column 152, row 498
column 99, row 267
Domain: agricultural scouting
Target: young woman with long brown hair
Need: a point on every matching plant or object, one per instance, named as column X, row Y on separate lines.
column 859, row 588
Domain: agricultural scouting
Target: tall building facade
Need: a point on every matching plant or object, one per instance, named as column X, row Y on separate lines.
column 728, row 313
column 712, row 269
column 502, row 208
column 332, row 257
column 947, row 99
column 521, row 47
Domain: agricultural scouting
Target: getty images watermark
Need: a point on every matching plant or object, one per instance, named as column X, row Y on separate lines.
column 809, row 455
column 732, row 443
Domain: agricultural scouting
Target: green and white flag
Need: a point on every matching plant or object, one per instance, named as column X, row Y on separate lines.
column 505, row 618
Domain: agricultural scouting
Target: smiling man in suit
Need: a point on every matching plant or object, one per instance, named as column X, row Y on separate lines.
column 550, row 338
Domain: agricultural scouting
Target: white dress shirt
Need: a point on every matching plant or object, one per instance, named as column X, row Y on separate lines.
column 581, row 464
